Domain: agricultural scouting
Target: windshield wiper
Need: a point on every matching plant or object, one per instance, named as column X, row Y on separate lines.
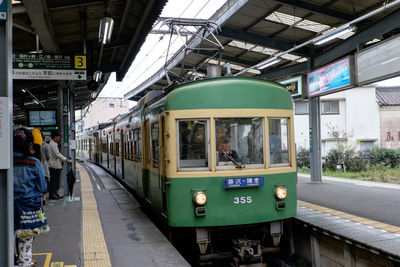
column 238, row 164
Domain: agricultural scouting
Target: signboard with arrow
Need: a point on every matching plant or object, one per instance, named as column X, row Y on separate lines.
column 29, row 66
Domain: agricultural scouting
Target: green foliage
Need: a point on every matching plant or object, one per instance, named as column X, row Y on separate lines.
column 303, row 158
column 357, row 162
column 387, row 157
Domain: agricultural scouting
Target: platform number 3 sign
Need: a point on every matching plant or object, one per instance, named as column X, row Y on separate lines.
column 80, row 62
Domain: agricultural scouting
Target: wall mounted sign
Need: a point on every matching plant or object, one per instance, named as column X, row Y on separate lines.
column 331, row 78
column 27, row 66
column 295, row 86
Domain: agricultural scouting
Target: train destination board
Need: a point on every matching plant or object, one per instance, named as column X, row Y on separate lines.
column 27, row 66
column 243, row 182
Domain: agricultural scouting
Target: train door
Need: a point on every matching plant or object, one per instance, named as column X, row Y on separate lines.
column 122, row 146
column 146, row 161
column 108, row 152
column 90, row 148
column 99, row 149
column 162, row 173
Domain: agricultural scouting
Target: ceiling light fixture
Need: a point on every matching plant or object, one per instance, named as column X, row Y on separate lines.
column 333, row 34
column 97, row 75
column 269, row 62
column 105, row 30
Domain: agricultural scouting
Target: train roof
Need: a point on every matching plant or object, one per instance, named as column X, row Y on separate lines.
column 226, row 92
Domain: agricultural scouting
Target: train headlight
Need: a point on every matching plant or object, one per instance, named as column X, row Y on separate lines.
column 280, row 192
column 200, row 198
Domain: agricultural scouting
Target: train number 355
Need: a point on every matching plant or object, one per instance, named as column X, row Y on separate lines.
column 242, row 200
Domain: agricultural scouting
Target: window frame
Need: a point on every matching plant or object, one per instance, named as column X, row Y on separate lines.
column 155, row 162
column 233, row 167
column 301, row 113
column 330, row 101
column 275, row 165
column 207, row 145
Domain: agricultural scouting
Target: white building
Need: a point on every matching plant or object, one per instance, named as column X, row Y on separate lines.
column 103, row 109
column 350, row 118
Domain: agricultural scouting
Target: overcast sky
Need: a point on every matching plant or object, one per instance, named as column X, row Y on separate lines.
column 152, row 54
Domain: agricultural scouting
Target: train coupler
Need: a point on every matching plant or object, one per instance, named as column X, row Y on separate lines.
column 247, row 251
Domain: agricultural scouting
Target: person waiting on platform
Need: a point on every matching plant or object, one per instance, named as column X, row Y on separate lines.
column 55, row 166
column 29, row 188
column 225, row 153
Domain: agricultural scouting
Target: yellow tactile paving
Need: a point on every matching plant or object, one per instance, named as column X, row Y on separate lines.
column 351, row 217
column 94, row 246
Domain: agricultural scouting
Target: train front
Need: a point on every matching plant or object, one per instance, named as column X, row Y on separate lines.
column 230, row 163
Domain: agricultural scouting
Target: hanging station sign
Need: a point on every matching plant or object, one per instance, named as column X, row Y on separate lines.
column 378, row 62
column 332, row 78
column 27, row 66
column 295, row 86
column 3, row 10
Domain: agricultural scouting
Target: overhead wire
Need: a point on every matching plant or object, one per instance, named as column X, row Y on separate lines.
column 163, row 54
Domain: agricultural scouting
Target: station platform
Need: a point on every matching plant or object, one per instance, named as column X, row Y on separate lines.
column 357, row 212
column 101, row 225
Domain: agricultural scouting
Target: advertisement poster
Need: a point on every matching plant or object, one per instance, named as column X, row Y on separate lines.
column 329, row 78
column 4, row 134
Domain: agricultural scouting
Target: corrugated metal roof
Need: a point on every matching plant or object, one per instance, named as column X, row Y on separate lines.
column 258, row 29
column 388, row 96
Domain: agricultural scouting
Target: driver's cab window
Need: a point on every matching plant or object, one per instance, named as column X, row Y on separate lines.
column 193, row 144
column 239, row 143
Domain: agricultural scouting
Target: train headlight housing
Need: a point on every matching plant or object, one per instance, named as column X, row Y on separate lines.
column 280, row 192
column 199, row 198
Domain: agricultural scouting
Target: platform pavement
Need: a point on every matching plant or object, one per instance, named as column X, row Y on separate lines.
column 102, row 225
column 357, row 211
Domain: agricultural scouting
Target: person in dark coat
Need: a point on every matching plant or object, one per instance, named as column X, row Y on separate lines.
column 225, row 152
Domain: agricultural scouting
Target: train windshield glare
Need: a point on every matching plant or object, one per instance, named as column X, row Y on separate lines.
column 239, row 143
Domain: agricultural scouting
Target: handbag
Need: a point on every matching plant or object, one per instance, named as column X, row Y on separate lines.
column 29, row 220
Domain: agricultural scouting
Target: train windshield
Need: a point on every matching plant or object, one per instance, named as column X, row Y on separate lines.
column 193, row 144
column 278, row 142
column 239, row 143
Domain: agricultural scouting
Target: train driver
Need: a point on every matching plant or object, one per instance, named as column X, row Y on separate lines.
column 225, row 153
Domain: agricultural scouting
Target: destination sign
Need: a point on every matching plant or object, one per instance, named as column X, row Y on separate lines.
column 243, row 182
column 27, row 66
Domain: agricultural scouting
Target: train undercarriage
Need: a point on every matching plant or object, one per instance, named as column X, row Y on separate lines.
column 236, row 246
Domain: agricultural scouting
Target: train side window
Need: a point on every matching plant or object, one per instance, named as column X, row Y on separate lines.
column 278, row 134
column 155, row 144
column 239, row 143
column 139, row 145
column 193, row 144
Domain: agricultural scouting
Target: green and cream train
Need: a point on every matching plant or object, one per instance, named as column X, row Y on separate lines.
column 213, row 158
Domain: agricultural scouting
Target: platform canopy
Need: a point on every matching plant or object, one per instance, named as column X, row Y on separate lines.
column 255, row 31
column 71, row 27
